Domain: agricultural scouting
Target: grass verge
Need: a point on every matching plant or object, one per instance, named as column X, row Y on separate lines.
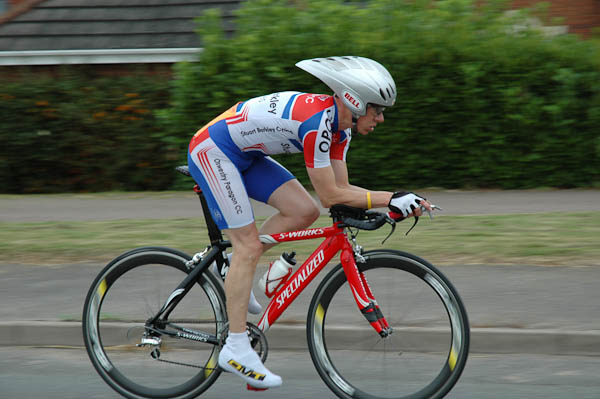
column 544, row 239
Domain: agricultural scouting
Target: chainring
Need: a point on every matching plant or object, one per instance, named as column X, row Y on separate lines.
column 258, row 341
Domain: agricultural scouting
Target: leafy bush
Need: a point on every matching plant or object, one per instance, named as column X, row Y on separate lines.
column 483, row 100
column 75, row 132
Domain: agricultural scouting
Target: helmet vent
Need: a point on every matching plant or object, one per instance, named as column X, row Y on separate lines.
column 388, row 92
column 382, row 94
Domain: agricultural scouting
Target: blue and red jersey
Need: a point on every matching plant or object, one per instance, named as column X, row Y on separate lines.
column 285, row 122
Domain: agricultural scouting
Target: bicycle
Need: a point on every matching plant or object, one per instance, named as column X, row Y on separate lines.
column 154, row 318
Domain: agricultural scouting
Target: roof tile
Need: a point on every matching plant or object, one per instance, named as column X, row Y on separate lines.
column 111, row 24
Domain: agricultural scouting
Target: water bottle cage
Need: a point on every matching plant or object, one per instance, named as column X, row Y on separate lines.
column 281, row 280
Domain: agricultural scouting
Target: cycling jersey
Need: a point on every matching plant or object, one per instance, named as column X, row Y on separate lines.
column 228, row 157
column 288, row 122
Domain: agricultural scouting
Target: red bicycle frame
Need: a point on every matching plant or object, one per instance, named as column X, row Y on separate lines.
column 335, row 240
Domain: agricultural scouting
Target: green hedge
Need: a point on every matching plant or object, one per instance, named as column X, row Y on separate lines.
column 76, row 131
column 481, row 103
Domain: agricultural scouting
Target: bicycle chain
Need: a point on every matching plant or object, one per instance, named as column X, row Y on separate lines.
column 182, row 364
column 252, row 328
column 157, row 357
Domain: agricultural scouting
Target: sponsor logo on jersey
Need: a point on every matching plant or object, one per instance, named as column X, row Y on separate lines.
column 310, row 98
column 244, row 133
column 265, row 129
column 217, row 215
column 286, row 148
column 300, row 278
column 283, row 129
column 227, row 184
column 258, row 129
column 326, row 133
column 273, row 103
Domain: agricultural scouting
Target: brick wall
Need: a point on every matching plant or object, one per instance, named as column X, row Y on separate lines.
column 580, row 15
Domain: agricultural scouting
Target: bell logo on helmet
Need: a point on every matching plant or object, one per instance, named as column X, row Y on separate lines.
column 352, row 100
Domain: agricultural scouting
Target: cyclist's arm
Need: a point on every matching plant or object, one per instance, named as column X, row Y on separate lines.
column 340, row 170
column 326, row 186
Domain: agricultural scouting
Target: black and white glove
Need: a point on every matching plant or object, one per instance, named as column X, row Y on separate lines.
column 404, row 203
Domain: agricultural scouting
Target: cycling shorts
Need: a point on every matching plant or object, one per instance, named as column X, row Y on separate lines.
column 229, row 177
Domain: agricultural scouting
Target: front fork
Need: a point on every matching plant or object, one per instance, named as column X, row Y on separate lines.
column 362, row 291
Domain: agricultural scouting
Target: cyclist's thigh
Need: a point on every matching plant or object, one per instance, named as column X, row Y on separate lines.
column 222, row 185
column 264, row 176
column 292, row 199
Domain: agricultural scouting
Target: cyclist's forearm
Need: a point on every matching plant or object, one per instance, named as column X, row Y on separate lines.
column 331, row 192
column 379, row 199
column 361, row 198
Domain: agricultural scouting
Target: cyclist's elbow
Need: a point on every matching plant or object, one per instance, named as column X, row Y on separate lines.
column 326, row 204
column 331, row 198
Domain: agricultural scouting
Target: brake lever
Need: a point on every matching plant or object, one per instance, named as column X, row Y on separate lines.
column 392, row 222
column 423, row 209
column 433, row 208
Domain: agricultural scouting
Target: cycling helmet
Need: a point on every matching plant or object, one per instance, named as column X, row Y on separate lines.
column 358, row 81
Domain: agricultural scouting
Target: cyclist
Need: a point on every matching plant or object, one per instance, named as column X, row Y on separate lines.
column 229, row 159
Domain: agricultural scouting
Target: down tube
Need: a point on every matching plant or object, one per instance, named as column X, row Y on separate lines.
column 300, row 280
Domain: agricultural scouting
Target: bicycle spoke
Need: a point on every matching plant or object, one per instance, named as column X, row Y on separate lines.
column 410, row 362
column 160, row 360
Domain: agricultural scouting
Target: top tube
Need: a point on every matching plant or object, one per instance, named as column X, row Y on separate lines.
column 306, row 234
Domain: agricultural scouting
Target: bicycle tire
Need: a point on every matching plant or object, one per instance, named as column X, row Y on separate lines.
column 424, row 356
column 127, row 292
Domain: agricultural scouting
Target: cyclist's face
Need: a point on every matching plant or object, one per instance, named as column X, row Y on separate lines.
column 367, row 123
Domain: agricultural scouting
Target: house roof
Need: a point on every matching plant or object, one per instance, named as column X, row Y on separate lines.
column 76, row 30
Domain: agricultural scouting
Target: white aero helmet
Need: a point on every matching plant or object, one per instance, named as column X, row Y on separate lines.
column 358, row 81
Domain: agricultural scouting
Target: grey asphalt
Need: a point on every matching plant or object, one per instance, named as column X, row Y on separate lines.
column 183, row 205
column 51, row 373
column 512, row 309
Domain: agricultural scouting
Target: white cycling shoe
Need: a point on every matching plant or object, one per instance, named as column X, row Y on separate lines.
column 239, row 358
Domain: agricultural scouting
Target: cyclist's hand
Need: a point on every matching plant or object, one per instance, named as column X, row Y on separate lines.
column 406, row 204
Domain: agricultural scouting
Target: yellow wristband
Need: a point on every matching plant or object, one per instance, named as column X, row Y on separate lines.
column 368, row 200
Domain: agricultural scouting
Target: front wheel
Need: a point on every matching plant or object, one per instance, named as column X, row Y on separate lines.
column 171, row 358
column 424, row 355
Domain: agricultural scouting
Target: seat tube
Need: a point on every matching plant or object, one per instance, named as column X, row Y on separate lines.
column 359, row 290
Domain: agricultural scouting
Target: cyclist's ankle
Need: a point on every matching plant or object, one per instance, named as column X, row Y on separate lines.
column 238, row 341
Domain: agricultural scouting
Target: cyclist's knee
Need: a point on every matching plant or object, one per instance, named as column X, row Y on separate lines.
column 309, row 214
column 303, row 212
column 248, row 247
column 304, row 215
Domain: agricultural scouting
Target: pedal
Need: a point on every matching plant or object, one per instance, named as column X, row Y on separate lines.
column 251, row 388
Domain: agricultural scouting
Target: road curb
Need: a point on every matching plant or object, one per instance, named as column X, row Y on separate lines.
column 483, row 340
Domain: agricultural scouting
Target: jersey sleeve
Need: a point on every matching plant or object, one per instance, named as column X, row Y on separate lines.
column 340, row 145
column 317, row 138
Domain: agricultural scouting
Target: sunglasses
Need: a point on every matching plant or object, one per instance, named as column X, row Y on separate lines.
column 378, row 109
